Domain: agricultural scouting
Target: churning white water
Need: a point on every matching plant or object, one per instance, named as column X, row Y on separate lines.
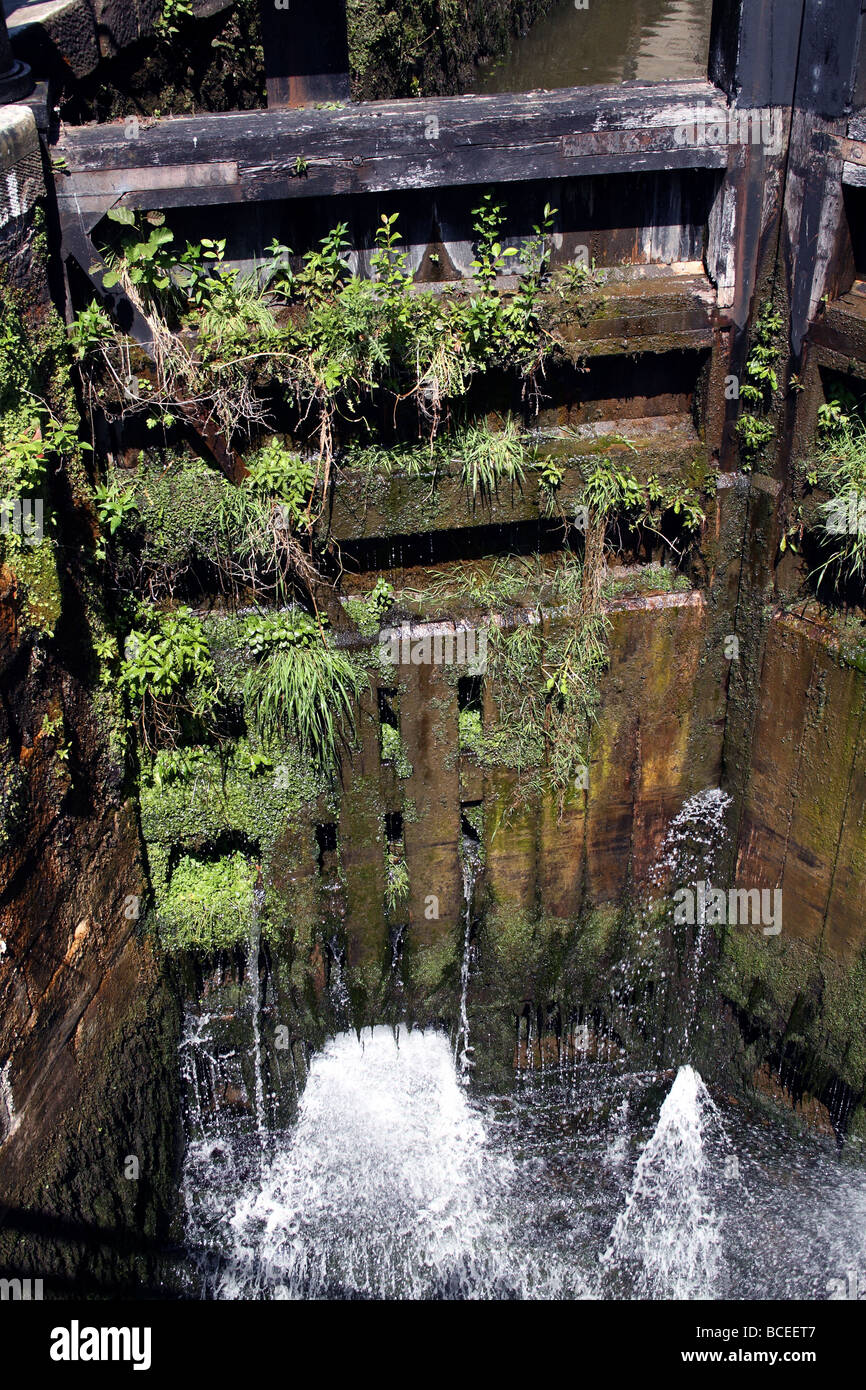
column 386, row 1187
column 668, row 1230
column 394, row 1182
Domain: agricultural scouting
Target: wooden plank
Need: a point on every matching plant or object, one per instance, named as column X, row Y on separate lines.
column 394, row 145
column 753, row 49
column 168, row 176
column 306, row 58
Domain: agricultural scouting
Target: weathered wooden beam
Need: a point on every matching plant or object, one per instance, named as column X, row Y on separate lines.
column 381, row 146
column 753, row 49
column 818, row 254
column 306, row 56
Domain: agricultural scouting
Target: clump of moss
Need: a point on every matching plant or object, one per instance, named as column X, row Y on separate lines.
column 208, row 905
column 38, row 436
column 12, row 799
column 800, row 997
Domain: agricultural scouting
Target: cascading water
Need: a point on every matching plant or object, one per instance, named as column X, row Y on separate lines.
column 337, row 990
column 692, row 851
column 674, row 957
column 668, row 1230
column 384, row 1188
column 256, row 1010
column 471, row 863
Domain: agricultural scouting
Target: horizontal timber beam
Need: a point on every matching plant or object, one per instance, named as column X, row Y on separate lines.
column 248, row 156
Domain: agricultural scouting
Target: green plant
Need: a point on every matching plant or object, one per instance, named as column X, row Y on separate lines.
column 470, row 732
column 280, row 473
column 142, row 259
column 389, row 263
column 346, row 342
column 300, row 686
column 391, row 744
column 168, row 676
column 609, row 489
column 489, row 457
column 25, row 456
column 175, row 765
column 839, row 412
column 209, row 904
column 760, row 384
column 396, row 878
column 838, row 466
column 115, row 505
column 279, row 278
column 262, row 523
column 550, row 473
column 380, row 597
column 571, row 281
column 325, row 271
column 489, row 254
column 90, row 330
column 754, row 434
column 174, row 13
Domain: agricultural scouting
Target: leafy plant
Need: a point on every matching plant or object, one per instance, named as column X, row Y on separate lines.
column 115, row 505
column 380, row 597
column 760, row 384
column 283, row 475
column 142, row 259
column 168, row 676
column 208, row 904
column 550, row 473
column 609, row 489
column 346, row 341
column 301, row 687
column 490, row 256
column 174, row 13
column 396, row 878
column 279, row 278
column 470, row 731
column 90, row 330
column 489, row 457
column 325, row 271
column 838, row 465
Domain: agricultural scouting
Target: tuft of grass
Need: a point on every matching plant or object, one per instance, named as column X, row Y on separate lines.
column 300, row 686
column 396, row 879
column 489, row 457
column 839, row 466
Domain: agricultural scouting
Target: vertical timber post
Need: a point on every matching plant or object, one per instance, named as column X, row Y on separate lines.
column 754, row 46
column 306, row 55
column 817, row 256
column 800, row 54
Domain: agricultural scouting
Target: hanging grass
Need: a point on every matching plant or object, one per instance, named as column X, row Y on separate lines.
column 839, row 466
column 489, row 457
column 300, row 687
